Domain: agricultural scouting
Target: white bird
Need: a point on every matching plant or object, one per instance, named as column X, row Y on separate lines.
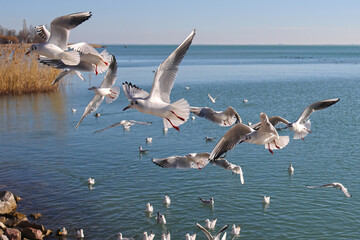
column 120, row 237
column 149, row 208
column 150, row 237
column 210, row 224
column 73, row 110
column 190, row 237
column 166, row 236
column 148, row 140
column 56, row 45
column 141, row 150
column 187, row 88
column 235, row 231
column 265, row 135
column 291, row 169
column 192, row 160
column 334, row 185
column 209, row 139
column 79, row 233
column 266, row 200
column 223, row 118
column 236, row 169
column 224, row 236
column 158, row 101
column 160, row 218
column 245, row 100
column 105, row 91
column 125, row 123
column 209, row 202
column 166, row 200
column 213, row 100
column 91, row 181
column 97, row 114
column 208, row 234
column 193, row 117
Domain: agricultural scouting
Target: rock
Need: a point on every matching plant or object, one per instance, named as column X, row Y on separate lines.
column 27, row 224
column 7, row 202
column 17, row 198
column 32, row 233
column 18, row 215
column 13, row 234
column 2, row 226
column 3, row 219
column 36, row 215
column 3, row 237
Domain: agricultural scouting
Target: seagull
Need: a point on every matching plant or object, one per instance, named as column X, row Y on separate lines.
column 149, row 208
column 97, row 114
column 291, row 169
column 166, row 236
column 158, row 101
column 125, row 123
column 79, row 233
column 166, row 200
column 148, row 140
column 91, row 181
column 225, row 118
column 224, row 236
column 56, row 45
column 213, row 100
column 150, row 237
column 265, row 135
column 89, row 62
column 187, row 88
column 192, row 160
column 208, row 235
column 190, row 237
column 160, row 219
column 193, row 117
column 73, row 110
column 141, row 150
column 120, row 237
column 245, row 100
column 209, row 139
column 236, row 169
column 266, row 200
column 235, row 231
column 334, row 185
column 210, row 224
column 105, row 91
column 207, row 202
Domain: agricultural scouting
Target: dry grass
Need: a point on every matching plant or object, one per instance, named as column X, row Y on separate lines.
column 20, row 74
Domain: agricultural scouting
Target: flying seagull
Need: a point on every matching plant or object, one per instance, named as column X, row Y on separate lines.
column 208, row 234
column 334, row 185
column 223, row 118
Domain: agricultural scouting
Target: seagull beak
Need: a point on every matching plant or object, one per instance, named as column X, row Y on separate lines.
column 27, row 53
column 126, row 108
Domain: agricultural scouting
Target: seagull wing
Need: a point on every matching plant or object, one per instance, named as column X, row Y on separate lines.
column 43, row 32
column 110, row 76
column 324, row 185
column 61, row 26
column 84, row 48
column 217, row 237
column 178, row 162
column 111, row 126
column 315, row 107
column 229, row 140
column 230, row 111
column 142, row 123
column 166, row 72
column 91, row 107
column 206, row 232
column 213, row 100
column 221, row 162
column 345, row 191
column 275, row 120
column 134, row 92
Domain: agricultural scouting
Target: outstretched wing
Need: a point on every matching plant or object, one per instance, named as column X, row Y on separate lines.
column 275, row 120
column 315, row 107
column 111, row 126
column 110, row 76
column 43, row 32
column 166, row 72
column 134, row 92
column 91, row 107
column 205, row 231
column 142, row 123
column 84, row 48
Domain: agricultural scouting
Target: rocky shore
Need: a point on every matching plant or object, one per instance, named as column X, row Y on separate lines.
column 15, row 225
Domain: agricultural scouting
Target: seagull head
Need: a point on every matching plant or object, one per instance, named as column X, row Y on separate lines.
column 133, row 104
column 290, row 125
column 92, row 88
column 33, row 48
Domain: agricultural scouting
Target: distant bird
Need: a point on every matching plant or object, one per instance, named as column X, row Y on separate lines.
column 245, row 100
column 213, row 100
column 148, row 140
column 266, row 200
column 56, row 45
column 62, row 232
column 208, row 234
column 105, row 91
column 236, row 169
column 125, row 123
column 225, row 118
column 187, row 88
column 120, row 237
column 166, row 236
column 97, row 114
column 334, row 185
column 150, row 237
column 291, row 169
column 209, row 202
column 249, row 123
column 265, row 135
column 91, row 181
column 193, row 117
column 192, row 160
column 166, row 200
column 157, row 103
column 149, row 208
column 235, row 231
column 302, row 126
column 141, row 150
column 79, row 233
column 210, row 224
column 190, row 237
column 209, row 139
column 160, row 219
column 73, row 110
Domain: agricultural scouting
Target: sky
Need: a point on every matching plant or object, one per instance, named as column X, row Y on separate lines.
column 216, row 22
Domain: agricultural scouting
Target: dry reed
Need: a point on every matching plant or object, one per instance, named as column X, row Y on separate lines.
column 20, row 74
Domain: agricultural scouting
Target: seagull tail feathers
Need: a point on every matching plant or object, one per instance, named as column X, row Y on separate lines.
column 280, row 143
column 115, row 92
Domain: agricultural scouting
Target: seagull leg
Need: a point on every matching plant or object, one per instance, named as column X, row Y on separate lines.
column 96, row 71
column 224, row 123
column 270, row 149
column 112, row 92
column 177, row 128
column 307, row 130
column 276, row 145
column 302, row 138
column 104, row 62
column 178, row 116
column 111, row 96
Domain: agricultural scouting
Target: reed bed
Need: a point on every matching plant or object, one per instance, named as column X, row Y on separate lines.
column 20, row 74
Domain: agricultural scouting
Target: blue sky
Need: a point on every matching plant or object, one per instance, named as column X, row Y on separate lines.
column 216, row 22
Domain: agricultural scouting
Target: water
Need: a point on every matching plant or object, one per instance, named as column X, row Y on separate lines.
column 47, row 163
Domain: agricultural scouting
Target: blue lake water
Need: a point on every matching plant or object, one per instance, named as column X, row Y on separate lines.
column 47, row 163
